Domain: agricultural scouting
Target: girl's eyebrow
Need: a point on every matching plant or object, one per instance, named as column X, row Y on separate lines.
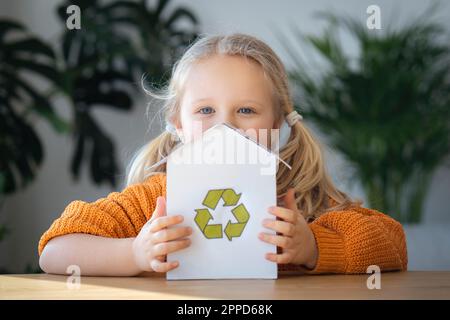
column 202, row 99
column 240, row 101
column 252, row 101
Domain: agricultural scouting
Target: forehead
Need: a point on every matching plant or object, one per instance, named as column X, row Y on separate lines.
column 225, row 76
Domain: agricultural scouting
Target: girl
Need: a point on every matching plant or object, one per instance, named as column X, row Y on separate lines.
column 239, row 80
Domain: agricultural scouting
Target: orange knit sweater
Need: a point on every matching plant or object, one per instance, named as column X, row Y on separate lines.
column 348, row 241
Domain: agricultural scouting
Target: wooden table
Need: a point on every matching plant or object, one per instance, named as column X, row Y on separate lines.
column 394, row 285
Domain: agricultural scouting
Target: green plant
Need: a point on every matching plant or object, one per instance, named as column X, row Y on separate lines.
column 160, row 38
column 92, row 79
column 101, row 66
column 387, row 110
column 22, row 54
column 96, row 66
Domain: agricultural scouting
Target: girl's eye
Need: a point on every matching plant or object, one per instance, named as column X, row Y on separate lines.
column 246, row 110
column 206, row 110
column 209, row 110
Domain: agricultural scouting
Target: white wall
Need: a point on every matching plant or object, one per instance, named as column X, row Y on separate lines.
column 31, row 212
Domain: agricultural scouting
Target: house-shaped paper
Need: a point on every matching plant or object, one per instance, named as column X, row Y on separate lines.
column 223, row 184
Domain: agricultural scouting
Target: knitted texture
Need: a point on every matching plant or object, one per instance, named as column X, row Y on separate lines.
column 348, row 241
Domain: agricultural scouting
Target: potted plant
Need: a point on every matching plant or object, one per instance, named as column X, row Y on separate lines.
column 95, row 66
column 386, row 110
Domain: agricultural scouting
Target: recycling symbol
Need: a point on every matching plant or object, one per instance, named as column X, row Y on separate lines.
column 232, row 229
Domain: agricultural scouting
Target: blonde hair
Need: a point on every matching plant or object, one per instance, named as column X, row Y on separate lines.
column 313, row 186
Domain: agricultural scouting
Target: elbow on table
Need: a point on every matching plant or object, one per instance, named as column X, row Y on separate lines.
column 44, row 260
column 48, row 260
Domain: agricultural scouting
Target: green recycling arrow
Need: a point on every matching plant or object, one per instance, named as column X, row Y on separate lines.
column 230, row 198
column 234, row 230
column 210, row 231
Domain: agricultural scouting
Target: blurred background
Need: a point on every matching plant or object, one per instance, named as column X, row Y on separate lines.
column 372, row 79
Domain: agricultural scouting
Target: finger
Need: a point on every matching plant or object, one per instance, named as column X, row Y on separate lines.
column 279, row 258
column 158, row 212
column 166, row 235
column 159, row 266
column 289, row 200
column 280, row 241
column 167, row 247
column 285, row 214
column 164, row 222
column 160, row 209
column 285, row 228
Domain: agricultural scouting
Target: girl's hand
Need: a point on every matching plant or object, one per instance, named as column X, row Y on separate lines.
column 296, row 238
column 155, row 241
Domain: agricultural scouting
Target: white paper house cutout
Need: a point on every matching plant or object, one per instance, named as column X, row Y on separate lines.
column 200, row 177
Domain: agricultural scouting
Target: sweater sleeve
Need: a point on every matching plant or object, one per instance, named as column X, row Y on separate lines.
column 349, row 241
column 119, row 215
